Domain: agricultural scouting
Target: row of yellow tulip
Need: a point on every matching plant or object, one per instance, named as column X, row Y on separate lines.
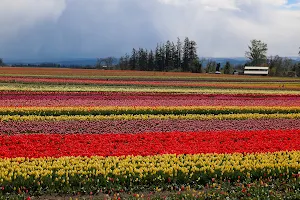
column 176, row 110
column 148, row 116
column 132, row 170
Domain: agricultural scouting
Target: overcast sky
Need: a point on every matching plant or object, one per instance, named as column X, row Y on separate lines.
column 47, row 29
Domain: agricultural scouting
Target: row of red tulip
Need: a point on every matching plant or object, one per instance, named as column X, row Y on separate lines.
column 57, row 145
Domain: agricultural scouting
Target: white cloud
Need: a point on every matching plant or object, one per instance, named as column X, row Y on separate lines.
column 206, row 4
column 293, row 5
column 228, row 31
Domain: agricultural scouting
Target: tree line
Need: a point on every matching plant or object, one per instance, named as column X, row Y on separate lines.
column 169, row 56
column 182, row 56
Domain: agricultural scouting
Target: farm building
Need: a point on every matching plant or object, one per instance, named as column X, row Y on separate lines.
column 256, row 70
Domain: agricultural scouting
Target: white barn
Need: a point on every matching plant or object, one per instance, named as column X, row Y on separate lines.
column 256, row 70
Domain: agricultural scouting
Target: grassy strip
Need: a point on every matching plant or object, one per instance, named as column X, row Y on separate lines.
column 179, row 110
column 148, row 117
column 270, row 188
column 260, row 189
column 97, row 88
column 233, row 79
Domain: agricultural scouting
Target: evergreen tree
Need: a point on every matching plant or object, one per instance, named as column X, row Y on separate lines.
column 122, row 63
column 228, row 69
column 168, row 56
column 143, row 57
column 151, row 61
column 186, row 55
column 126, row 61
column 218, row 67
column 133, row 62
column 1, row 62
column 162, row 59
column 157, row 58
column 192, row 52
column 178, row 54
column 174, row 56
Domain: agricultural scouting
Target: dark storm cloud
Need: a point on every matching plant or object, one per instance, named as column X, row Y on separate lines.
column 86, row 29
column 46, row 29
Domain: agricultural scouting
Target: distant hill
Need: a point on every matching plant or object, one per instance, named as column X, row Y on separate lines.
column 66, row 62
column 233, row 61
column 81, row 62
column 93, row 61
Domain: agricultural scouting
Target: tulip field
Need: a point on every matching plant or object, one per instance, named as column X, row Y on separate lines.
column 97, row 134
